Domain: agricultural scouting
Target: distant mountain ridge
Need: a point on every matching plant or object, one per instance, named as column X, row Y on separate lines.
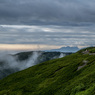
column 66, row 49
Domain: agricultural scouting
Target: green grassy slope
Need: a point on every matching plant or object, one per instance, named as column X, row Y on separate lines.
column 71, row 75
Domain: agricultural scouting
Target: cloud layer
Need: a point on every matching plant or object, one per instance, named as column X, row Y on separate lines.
column 52, row 22
column 39, row 12
column 47, row 35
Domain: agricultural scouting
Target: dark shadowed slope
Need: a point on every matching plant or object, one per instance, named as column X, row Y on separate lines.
column 71, row 75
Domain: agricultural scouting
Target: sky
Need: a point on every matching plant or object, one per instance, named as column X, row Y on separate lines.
column 46, row 24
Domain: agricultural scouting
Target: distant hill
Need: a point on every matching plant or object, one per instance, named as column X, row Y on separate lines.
column 71, row 75
column 66, row 49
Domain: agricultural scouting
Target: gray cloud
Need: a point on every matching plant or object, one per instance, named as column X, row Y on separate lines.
column 54, row 12
column 52, row 22
column 47, row 35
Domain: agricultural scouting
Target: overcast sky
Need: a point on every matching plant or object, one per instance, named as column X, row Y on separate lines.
column 47, row 22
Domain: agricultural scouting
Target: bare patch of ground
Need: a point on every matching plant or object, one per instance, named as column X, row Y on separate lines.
column 85, row 63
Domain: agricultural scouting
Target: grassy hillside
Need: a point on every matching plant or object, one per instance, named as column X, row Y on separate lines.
column 71, row 75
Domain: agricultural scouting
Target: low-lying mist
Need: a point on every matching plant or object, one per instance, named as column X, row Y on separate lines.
column 11, row 62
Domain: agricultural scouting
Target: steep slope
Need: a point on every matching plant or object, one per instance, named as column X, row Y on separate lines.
column 71, row 75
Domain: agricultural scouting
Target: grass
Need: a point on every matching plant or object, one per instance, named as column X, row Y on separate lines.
column 54, row 77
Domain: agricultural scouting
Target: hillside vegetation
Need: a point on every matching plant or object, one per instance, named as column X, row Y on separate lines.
column 71, row 75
